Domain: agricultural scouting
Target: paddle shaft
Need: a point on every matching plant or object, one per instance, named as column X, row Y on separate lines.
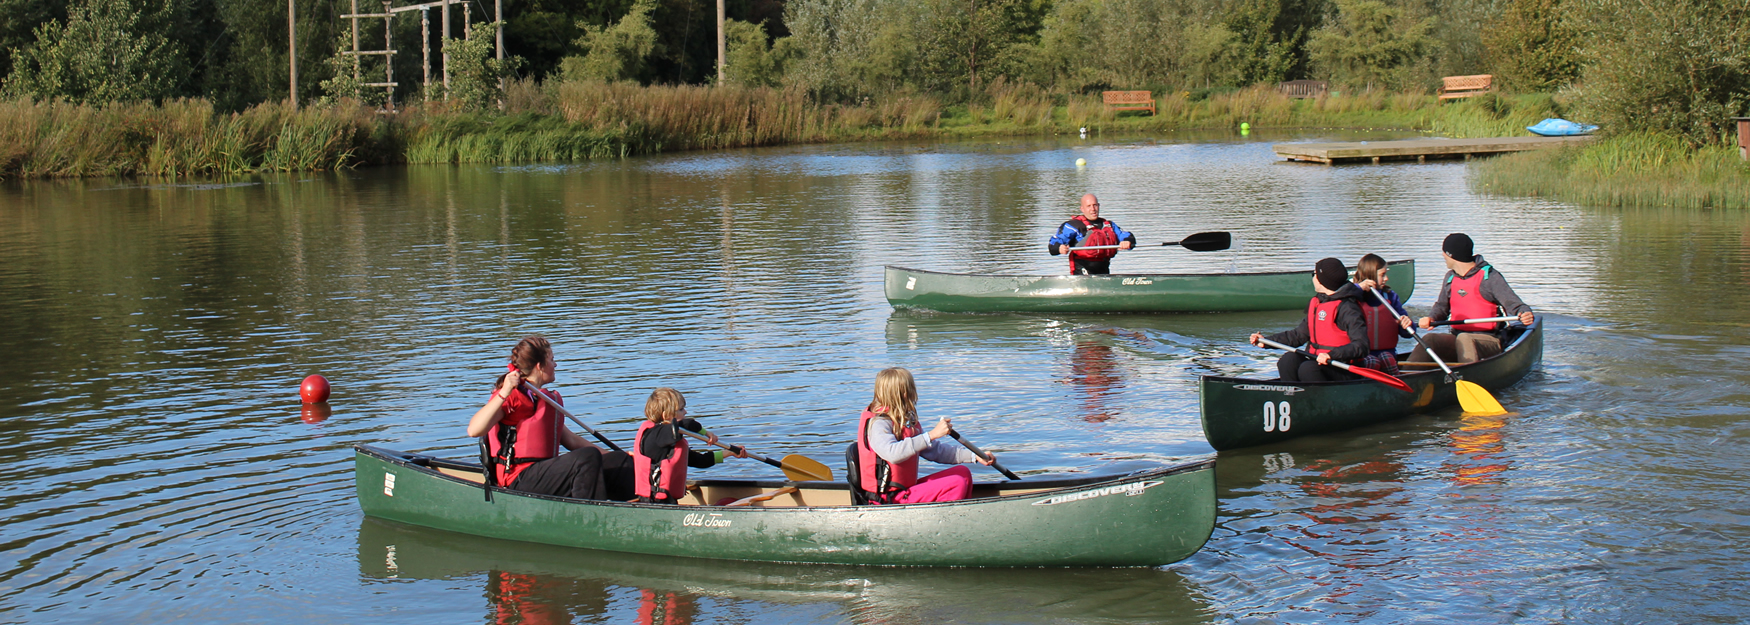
column 1451, row 322
column 1450, row 376
column 982, row 456
column 735, row 448
column 574, row 419
column 1334, row 362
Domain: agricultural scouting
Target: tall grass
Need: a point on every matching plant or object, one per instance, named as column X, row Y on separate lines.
column 1636, row 170
column 56, row 139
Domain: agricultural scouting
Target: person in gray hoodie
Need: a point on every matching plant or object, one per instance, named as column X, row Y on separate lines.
column 1472, row 290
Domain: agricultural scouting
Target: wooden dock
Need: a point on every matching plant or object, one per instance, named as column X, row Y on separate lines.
column 1419, row 150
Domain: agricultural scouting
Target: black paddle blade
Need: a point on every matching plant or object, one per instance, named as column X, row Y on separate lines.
column 1207, row 241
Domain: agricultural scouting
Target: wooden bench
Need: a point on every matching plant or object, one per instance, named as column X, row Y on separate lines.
column 1466, row 86
column 1130, row 100
column 1303, row 88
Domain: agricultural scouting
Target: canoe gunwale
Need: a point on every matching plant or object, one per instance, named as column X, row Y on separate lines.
column 428, row 465
column 1414, row 375
column 1388, row 264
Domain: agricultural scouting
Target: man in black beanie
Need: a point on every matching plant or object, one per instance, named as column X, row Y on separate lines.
column 1334, row 328
column 1472, row 290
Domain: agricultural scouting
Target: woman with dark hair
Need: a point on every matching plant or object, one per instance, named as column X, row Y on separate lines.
column 523, row 434
column 1333, row 329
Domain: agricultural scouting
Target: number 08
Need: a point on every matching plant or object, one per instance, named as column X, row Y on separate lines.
column 1276, row 418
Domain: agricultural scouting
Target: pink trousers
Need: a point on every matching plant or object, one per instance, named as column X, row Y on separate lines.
column 951, row 484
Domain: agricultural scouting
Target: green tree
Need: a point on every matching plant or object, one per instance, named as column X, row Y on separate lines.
column 615, row 53
column 108, row 51
column 752, row 60
column 475, row 74
column 1530, row 48
column 1680, row 67
column 849, row 49
column 1372, row 45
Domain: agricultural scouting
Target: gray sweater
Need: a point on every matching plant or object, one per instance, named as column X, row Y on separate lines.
column 896, row 450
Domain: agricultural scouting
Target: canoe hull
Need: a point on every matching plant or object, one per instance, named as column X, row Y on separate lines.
column 1241, row 412
column 1117, row 293
column 1143, row 519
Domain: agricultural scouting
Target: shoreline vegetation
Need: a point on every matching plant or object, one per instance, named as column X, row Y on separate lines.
column 574, row 121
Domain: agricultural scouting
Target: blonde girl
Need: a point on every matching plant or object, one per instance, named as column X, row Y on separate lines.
column 890, row 440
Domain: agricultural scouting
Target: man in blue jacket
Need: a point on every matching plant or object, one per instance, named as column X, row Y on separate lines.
column 1085, row 230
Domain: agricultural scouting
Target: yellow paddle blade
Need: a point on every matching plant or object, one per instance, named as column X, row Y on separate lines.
column 804, row 469
column 1475, row 400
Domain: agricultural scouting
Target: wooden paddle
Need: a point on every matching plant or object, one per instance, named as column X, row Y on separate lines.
column 1200, row 242
column 796, row 468
column 574, row 419
column 1377, row 376
column 1453, row 322
column 1471, row 396
column 981, row 455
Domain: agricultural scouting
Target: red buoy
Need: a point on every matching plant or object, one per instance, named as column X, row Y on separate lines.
column 314, row 390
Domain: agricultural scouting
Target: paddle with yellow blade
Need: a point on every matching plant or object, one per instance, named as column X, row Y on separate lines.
column 796, row 468
column 1471, row 396
column 1371, row 374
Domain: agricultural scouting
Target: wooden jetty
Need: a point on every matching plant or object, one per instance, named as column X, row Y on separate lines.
column 1419, row 150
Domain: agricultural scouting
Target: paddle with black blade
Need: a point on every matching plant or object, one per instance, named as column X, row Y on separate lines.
column 1471, row 396
column 796, row 468
column 1371, row 374
column 1200, row 242
column 574, row 419
column 982, row 455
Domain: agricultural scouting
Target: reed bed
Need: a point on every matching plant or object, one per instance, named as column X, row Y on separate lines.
column 1633, row 170
column 43, row 139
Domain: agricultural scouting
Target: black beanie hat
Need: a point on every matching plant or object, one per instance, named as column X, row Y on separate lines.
column 1458, row 246
column 1331, row 273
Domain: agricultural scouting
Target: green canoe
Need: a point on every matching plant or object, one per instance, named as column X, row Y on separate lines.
column 1145, row 518
column 1241, row 412
column 1116, row 293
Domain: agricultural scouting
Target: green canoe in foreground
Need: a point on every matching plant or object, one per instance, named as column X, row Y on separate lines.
column 1145, row 518
column 1116, row 293
column 1241, row 412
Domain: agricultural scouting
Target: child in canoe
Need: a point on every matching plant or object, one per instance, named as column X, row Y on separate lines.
column 1386, row 323
column 521, row 436
column 890, row 440
column 1333, row 329
column 660, row 456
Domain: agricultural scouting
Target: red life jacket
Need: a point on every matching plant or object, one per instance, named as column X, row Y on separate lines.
column 1465, row 296
column 878, row 476
column 662, row 480
column 1323, row 335
column 530, row 428
column 1382, row 326
column 1102, row 234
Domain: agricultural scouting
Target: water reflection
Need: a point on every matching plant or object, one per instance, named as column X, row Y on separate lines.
column 1480, row 447
column 537, row 584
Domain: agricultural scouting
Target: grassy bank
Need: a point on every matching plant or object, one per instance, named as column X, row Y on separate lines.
column 569, row 121
column 1638, row 170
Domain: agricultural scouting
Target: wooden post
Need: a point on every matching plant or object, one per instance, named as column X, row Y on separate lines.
column 722, row 42
column 388, row 57
column 425, row 52
column 498, row 19
column 292, row 35
column 355, row 47
column 467, row 20
column 444, row 49
column 1743, row 137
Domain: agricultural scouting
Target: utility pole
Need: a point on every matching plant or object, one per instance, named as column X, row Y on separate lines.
column 722, row 42
column 292, row 33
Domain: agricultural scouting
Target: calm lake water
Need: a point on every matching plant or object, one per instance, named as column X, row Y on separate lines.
column 160, row 466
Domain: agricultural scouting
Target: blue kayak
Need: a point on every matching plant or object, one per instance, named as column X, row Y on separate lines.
column 1554, row 127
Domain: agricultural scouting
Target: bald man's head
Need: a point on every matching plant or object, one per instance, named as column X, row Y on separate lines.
column 1090, row 207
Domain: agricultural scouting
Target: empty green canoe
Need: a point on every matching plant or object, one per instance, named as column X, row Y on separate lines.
column 1115, row 293
column 1146, row 518
column 1243, row 412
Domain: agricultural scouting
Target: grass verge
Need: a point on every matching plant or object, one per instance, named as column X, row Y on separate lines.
column 1634, row 170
